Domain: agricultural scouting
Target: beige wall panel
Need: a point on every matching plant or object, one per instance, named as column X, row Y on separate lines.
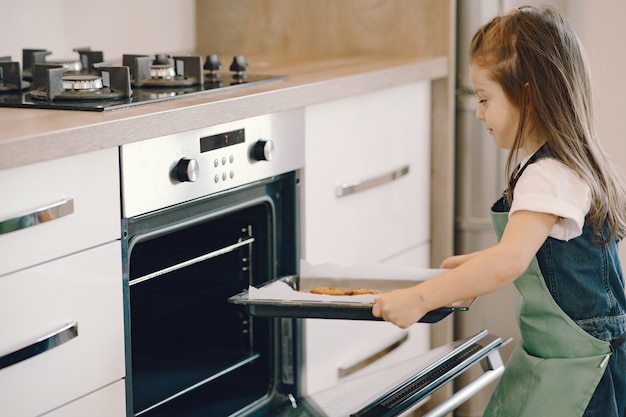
column 296, row 28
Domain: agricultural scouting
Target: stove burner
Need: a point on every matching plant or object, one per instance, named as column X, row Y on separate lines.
column 82, row 82
column 163, row 71
column 52, row 82
column 99, row 86
column 11, row 76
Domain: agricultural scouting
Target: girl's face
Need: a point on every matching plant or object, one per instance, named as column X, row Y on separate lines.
column 500, row 116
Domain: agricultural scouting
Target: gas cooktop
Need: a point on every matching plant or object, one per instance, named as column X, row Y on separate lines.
column 90, row 83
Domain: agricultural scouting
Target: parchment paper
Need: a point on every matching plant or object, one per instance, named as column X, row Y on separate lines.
column 378, row 276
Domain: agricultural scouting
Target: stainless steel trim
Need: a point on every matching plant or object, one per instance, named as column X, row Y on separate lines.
column 192, row 261
column 41, row 345
column 357, row 186
column 41, row 215
column 465, row 393
column 493, row 367
column 362, row 363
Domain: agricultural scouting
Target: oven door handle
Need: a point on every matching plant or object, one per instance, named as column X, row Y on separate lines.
column 41, row 215
column 470, row 389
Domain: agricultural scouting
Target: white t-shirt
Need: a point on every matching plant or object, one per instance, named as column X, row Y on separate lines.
column 549, row 186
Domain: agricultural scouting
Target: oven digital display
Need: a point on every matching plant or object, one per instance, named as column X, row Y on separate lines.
column 222, row 140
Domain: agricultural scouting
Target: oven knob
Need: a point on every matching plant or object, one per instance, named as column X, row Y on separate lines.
column 187, row 170
column 263, row 150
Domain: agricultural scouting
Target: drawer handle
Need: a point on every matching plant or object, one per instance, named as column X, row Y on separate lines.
column 41, row 345
column 344, row 371
column 354, row 187
column 42, row 215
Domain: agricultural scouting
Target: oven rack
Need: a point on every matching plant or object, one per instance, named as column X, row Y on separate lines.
column 184, row 373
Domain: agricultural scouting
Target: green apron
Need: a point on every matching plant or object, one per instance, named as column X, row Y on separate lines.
column 554, row 371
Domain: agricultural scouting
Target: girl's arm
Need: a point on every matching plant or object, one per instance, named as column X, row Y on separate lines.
column 482, row 273
column 454, row 261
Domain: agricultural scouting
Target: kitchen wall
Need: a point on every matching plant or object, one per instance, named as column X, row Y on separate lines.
column 114, row 27
column 294, row 28
column 600, row 26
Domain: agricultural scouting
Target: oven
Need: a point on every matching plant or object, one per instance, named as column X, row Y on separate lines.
column 207, row 215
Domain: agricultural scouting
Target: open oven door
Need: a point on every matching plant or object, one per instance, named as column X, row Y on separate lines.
column 405, row 386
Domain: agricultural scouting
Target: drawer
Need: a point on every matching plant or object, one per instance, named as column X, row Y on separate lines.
column 335, row 350
column 106, row 402
column 85, row 189
column 86, row 289
column 367, row 175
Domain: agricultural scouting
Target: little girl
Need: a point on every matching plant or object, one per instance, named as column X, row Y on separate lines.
column 558, row 225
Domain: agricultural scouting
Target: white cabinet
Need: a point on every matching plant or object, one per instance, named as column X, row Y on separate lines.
column 102, row 403
column 355, row 140
column 58, row 207
column 366, row 198
column 61, row 308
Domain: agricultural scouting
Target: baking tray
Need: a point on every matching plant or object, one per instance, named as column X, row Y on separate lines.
column 330, row 309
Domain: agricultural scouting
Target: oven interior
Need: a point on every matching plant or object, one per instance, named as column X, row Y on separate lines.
column 191, row 352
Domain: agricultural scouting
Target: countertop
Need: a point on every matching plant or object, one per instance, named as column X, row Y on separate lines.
column 33, row 135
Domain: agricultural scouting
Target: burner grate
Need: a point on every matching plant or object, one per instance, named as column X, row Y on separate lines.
column 90, row 84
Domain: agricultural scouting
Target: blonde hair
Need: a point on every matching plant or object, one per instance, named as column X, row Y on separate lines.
column 537, row 59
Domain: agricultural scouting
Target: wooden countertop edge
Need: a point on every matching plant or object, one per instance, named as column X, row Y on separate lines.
column 33, row 135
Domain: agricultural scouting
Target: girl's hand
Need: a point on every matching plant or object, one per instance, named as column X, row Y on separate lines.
column 400, row 307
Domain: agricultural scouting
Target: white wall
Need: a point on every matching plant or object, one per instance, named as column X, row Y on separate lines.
column 602, row 31
column 115, row 27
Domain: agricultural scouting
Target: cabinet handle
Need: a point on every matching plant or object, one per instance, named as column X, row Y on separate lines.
column 362, row 363
column 356, row 186
column 41, row 345
column 41, row 215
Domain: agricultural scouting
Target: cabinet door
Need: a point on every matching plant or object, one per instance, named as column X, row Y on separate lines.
column 107, row 402
column 338, row 349
column 57, row 207
column 350, row 141
column 369, row 139
column 84, row 290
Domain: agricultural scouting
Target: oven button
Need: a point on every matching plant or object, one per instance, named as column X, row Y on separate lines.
column 187, row 170
column 263, row 150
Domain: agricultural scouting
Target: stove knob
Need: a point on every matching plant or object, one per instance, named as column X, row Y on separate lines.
column 263, row 150
column 239, row 67
column 187, row 170
column 213, row 63
column 239, row 64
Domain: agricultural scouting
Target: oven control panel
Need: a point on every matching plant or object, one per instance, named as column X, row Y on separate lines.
column 169, row 170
